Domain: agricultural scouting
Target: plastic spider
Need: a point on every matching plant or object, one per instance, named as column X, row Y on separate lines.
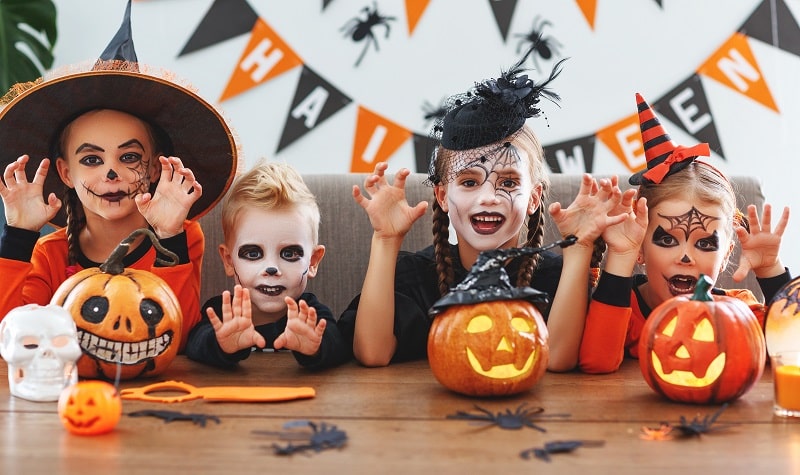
column 685, row 427
column 169, row 416
column 323, row 436
column 558, row 447
column 515, row 420
column 544, row 46
column 361, row 29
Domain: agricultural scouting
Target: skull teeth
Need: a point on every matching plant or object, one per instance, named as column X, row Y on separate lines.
column 123, row 352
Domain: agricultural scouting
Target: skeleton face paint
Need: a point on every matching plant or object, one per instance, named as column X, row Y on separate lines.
column 271, row 253
column 682, row 242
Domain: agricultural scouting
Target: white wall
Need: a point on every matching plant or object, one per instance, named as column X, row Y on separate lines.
column 635, row 47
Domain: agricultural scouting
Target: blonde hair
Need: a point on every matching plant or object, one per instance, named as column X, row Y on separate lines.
column 268, row 186
column 524, row 139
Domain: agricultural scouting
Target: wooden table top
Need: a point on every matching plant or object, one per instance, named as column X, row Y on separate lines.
column 396, row 422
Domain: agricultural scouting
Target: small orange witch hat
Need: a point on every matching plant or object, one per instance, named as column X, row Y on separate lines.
column 663, row 156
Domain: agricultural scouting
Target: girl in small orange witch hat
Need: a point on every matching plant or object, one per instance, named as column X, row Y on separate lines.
column 100, row 150
column 682, row 225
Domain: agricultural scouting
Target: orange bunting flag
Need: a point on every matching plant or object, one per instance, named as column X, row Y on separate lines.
column 414, row 11
column 588, row 8
column 624, row 139
column 735, row 66
column 375, row 141
column 265, row 57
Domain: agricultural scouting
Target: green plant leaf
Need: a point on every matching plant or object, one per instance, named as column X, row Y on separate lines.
column 16, row 64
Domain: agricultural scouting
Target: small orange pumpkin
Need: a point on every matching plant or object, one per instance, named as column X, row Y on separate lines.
column 90, row 407
column 782, row 327
column 702, row 349
column 129, row 320
column 492, row 348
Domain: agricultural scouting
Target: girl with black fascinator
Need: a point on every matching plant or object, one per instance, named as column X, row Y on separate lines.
column 489, row 181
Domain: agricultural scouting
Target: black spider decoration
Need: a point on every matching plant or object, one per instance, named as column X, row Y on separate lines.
column 169, row 416
column 361, row 29
column 510, row 420
column 322, row 436
column 686, row 428
column 558, row 447
column 544, row 46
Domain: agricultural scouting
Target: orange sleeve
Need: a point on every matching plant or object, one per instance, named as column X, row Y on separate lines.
column 184, row 280
column 604, row 334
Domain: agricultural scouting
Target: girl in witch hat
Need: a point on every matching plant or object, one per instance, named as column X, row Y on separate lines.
column 682, row 225
column 489, row 180
column 99, row 152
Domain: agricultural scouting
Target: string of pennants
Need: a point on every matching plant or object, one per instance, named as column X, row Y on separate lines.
column 376, row 137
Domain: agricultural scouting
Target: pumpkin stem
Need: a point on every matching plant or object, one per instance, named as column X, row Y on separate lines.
column 702, row 290
column 114, row 266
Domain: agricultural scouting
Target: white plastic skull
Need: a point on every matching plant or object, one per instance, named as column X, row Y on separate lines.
column 40, row 345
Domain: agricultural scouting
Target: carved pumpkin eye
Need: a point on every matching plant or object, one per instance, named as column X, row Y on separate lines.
column 95, row 309
column 151, row 311
column 479, row 324
column 522, row 325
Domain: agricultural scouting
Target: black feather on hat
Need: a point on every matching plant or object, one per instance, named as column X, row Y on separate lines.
column 33, row 115
column 488, row 280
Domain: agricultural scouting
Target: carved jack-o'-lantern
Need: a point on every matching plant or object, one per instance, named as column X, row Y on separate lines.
column 702, row 349
column 90, row 407
column 782, row 327
column 490, row 348
column 129, row 320
column 487, row 337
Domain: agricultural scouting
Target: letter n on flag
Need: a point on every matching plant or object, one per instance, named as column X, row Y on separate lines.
column 376, row 139
column 265, row 57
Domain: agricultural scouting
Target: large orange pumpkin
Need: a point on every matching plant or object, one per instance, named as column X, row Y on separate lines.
column 129, row 320
column 782, row 327
column 702, row 349
column 492, row 348
column 90, row 407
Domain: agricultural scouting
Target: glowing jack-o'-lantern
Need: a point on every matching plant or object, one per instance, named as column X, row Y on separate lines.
column 90, row 407
column 782, row 327
column 702, row 349
column 487, row 337
column 129, row 320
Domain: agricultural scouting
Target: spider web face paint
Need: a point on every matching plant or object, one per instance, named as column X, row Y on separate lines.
column 690, row 221
column 496, row 157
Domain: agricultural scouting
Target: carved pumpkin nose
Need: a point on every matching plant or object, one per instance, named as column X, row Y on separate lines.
column 504, row 345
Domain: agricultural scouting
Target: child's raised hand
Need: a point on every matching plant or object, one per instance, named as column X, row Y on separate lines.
column 596, row 207
column 176, row 192
column 760, row 247
column 389, row 213
column 24, row 206
column 626, row 237
column 303, row 333
column 235, row 331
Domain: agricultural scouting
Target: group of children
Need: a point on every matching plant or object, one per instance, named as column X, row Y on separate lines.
column 121, row 163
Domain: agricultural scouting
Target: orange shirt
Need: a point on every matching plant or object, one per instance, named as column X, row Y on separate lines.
column 37, row 280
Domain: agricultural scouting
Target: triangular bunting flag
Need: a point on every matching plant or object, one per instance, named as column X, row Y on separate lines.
column 776, row 27
column 265, row 57
column 687, row 106
column 588, row 8
column 315, row 100
column 735, row 66
column 423, row 149
column 503, row 11
column 574, row 156
column 414, row 11
column 376, row 139
column 225, row 19
column 624, row 139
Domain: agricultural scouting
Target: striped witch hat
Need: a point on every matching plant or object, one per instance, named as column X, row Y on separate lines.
column 663, row 156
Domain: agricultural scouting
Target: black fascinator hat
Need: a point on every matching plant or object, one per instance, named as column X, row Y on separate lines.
column 491, row 111
column 488, row 280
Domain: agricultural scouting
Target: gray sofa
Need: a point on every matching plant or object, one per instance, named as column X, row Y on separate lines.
column 345, row 231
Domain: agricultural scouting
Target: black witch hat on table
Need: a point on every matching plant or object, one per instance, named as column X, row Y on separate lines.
column 488, row 280
column 34, row 113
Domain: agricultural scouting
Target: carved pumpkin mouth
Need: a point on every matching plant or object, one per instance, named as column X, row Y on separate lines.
column 82, row 424
column 687, row 378
column 123, row 352
column 503, row 371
